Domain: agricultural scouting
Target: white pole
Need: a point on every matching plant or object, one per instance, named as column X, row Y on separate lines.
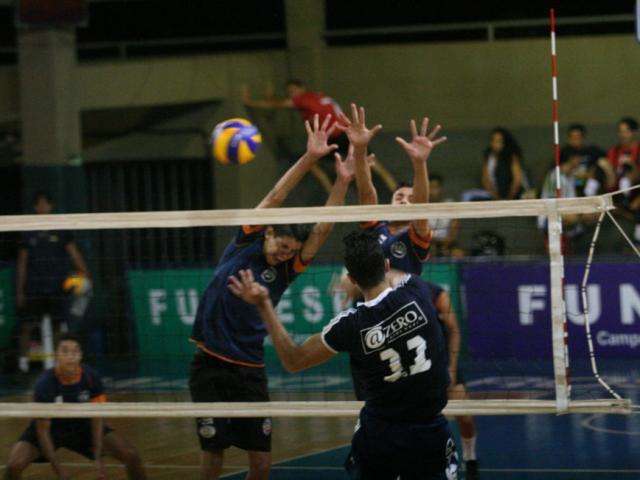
column 46, row 332
column 558, row 313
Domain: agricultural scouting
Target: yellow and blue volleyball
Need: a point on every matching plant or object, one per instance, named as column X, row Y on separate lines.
column 235, row 141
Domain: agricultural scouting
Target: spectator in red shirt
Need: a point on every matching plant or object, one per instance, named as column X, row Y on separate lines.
column 625, row 156
column 310, row 103
column 625, row 160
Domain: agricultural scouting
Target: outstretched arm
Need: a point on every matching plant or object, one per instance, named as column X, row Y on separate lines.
column 321, row 231
column 294, row 357
column 419, row 151
column 359, row 137
column 317, row 148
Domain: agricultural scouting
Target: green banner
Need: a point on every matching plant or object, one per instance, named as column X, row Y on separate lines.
column 165, row 302
column 7, row 306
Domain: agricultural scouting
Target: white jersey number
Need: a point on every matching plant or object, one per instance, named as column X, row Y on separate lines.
column 420, row 364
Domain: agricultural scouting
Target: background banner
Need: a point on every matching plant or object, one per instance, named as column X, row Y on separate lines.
column 508, row 310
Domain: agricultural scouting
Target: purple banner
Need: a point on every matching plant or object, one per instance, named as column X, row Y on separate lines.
column 509, row 315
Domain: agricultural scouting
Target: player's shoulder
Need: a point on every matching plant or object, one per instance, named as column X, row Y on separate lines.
column 343, row 317
column 46, row 380
column 90, row 374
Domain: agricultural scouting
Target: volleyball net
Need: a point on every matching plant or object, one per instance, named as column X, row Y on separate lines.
column 521, row 306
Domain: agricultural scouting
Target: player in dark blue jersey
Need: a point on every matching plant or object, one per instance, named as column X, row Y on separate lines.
column 398, row 357
column 407, row 244
column 70, row 381
column 228, row 365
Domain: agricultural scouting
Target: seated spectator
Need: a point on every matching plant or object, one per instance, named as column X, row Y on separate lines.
column 444, row 230
column 625, row 160
column 503, row 177
column 624, row 157
column 594, row 174
column 574, row 224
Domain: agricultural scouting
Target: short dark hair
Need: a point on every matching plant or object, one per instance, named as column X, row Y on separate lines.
column 294, row 82
column 364, row 258
column 68, row 337
column 577, row 126
column 299, row 231
column 630, row 122
column 40, row 195
column 402, row 184
column 437, row 178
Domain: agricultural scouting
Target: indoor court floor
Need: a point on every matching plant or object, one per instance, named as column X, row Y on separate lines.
column 523, row 447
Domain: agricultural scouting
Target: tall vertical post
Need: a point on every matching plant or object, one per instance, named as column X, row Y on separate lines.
column 559, row 333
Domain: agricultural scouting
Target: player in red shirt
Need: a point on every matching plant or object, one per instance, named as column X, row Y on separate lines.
column 310, row 103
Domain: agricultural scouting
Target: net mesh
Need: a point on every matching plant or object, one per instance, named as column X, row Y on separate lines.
column 147, row 282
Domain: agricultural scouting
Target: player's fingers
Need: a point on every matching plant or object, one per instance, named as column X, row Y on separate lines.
column 332, row 129
column 433, row 134
column 249, row 274
column 412, row 127
column 363, row 117
column 333, row 147
column 424, row 127
column 338, row 157
column 354, row 113
column 327, row 120
column 344, row 119
column 316, row 122
column 402, row 143
column 307, row 126
column 375, row 130
column 234, row 284
column 439, row 141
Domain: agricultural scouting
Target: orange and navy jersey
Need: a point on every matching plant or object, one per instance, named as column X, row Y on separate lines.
column 312, row 103
column 406, row 251
column 85, row 386
column 228, row 327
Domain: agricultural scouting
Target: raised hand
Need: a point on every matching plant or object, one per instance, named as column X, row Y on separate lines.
column 318, row 137
column 356, row 129
column 245, row 287
column 421, row 145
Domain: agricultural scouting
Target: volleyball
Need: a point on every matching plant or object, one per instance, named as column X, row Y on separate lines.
column 235, row 141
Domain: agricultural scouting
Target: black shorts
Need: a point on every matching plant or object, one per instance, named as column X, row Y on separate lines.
column 214, row 380
column 36, row 306
column 77, row 439
column 383, row 450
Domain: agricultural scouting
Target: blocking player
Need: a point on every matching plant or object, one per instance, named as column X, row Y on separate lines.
column 310, row 103
column 398, row 358
column 70, row 381
column 228, row 366
column 407, row 244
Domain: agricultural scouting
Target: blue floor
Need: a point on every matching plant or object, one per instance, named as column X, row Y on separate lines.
column 576, row 447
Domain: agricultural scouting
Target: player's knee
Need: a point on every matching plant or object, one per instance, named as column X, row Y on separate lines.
column 15, row 466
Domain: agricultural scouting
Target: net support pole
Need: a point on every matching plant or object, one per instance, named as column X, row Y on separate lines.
column 558, row 312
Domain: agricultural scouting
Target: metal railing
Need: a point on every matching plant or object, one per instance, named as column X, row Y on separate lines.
column 489, row 27
column 486, row 31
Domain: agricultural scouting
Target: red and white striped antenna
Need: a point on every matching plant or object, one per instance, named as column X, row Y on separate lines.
column 554, row 84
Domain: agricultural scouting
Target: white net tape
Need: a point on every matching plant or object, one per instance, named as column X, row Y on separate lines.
column 550, row 208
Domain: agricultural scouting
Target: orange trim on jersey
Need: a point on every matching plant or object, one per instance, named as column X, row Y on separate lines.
column 201, row 346
column 99, row 399
column 249, row 229
column 300, row 265
column 368, row 225
column 68, row 379
column 422, row 242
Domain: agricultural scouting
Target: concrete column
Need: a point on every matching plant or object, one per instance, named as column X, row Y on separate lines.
column 48, row 96
column 305, row 30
